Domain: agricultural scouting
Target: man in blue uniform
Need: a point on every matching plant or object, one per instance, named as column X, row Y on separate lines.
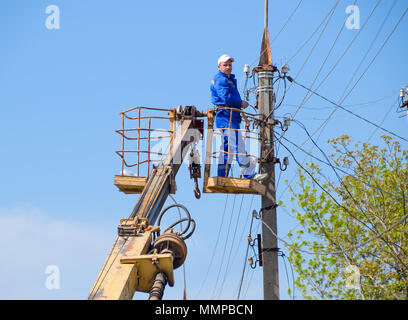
column 224, row 94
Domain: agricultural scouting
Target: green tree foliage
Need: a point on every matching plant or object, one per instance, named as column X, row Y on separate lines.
column 353, row 241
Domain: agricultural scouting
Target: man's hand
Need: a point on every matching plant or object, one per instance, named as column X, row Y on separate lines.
column 244, row 105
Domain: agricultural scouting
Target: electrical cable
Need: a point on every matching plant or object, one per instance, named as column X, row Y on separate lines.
column 246, row 257
column 376, row 187
column 345, row 172
column 313, row 33
column 344, row 186
column 283, row 97
column 243, row 272
column 329, row 15
column 216, row 245
column 232, row 246
column 247, row 222
column 189, row 220
column 361, row 104
column 249, row 280
column 382, row 121
column 184, row 265
column 287, row 21
column 325, row 191
column 317, row 41
column 352, row 113
column 345, row 209
column 282, row 254
column 307, row 96
column 362, row 75
column 370, row 47
column 225, row 247
column 355, row 247
column 321, row 127
column 384, row 231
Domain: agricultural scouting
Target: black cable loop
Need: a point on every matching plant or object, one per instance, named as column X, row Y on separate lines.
column 188, row 219
column 253, row 265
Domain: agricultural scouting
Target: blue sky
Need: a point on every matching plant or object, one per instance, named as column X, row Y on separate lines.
column 62, row 91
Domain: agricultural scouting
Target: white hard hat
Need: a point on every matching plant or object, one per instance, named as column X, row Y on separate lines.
column 225, row 58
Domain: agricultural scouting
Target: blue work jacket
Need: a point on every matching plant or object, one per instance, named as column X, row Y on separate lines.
column 224, row 92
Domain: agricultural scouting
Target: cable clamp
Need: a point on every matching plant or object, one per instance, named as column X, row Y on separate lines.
column 274, row 206
column 265, row 74
column 265, row 89
column 132, row 227
column 270, row 249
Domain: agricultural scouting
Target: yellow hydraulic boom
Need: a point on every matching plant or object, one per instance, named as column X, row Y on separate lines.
column 137, row 262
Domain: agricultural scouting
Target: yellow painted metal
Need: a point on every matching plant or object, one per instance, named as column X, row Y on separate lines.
column 130, row 184
column 225, row 184
column 208, row 148
column 234, row 185
column 147, row 266
column 118, row 281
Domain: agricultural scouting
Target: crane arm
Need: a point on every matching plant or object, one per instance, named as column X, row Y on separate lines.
column 121, row 276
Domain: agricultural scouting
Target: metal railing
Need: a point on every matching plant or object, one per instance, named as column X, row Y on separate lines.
column 148, row 135
column 243, row 137
column 139, row 133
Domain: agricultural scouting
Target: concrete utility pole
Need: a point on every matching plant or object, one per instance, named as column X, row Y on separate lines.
column 265, row 106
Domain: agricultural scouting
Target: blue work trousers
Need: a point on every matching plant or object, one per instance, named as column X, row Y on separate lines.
column 233, row 145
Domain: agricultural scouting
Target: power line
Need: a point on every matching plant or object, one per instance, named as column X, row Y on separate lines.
column 321, row 187
column 341, row 206
column 344, row 186
column 328, row 193
column 329, row 14
column 216, row 245
column 225, row 247
column 318, row 40
column 365, row 183
column 354, row 114
column 232, row 245
column 282, row 254
column 287, row 21
column 345, row 172
column 181, row 229
column 383, row 120
column 283, row 27
column 359, row 79
column 246, row 257
column 306, row 98
column 247, row 222
column 249, row 280
column 360, row 104
column 370, row 47
column 355, row 247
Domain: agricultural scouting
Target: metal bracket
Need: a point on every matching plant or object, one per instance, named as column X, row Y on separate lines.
column 167, row 170
column 269, row 158
column 195, row 170
column 270, row 249
column 199, row 125
column 173, row 185
column 147, row 266
column 274, row 206
column 132, row 227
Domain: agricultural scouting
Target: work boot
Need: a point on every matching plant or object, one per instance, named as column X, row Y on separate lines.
column 259, row 177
